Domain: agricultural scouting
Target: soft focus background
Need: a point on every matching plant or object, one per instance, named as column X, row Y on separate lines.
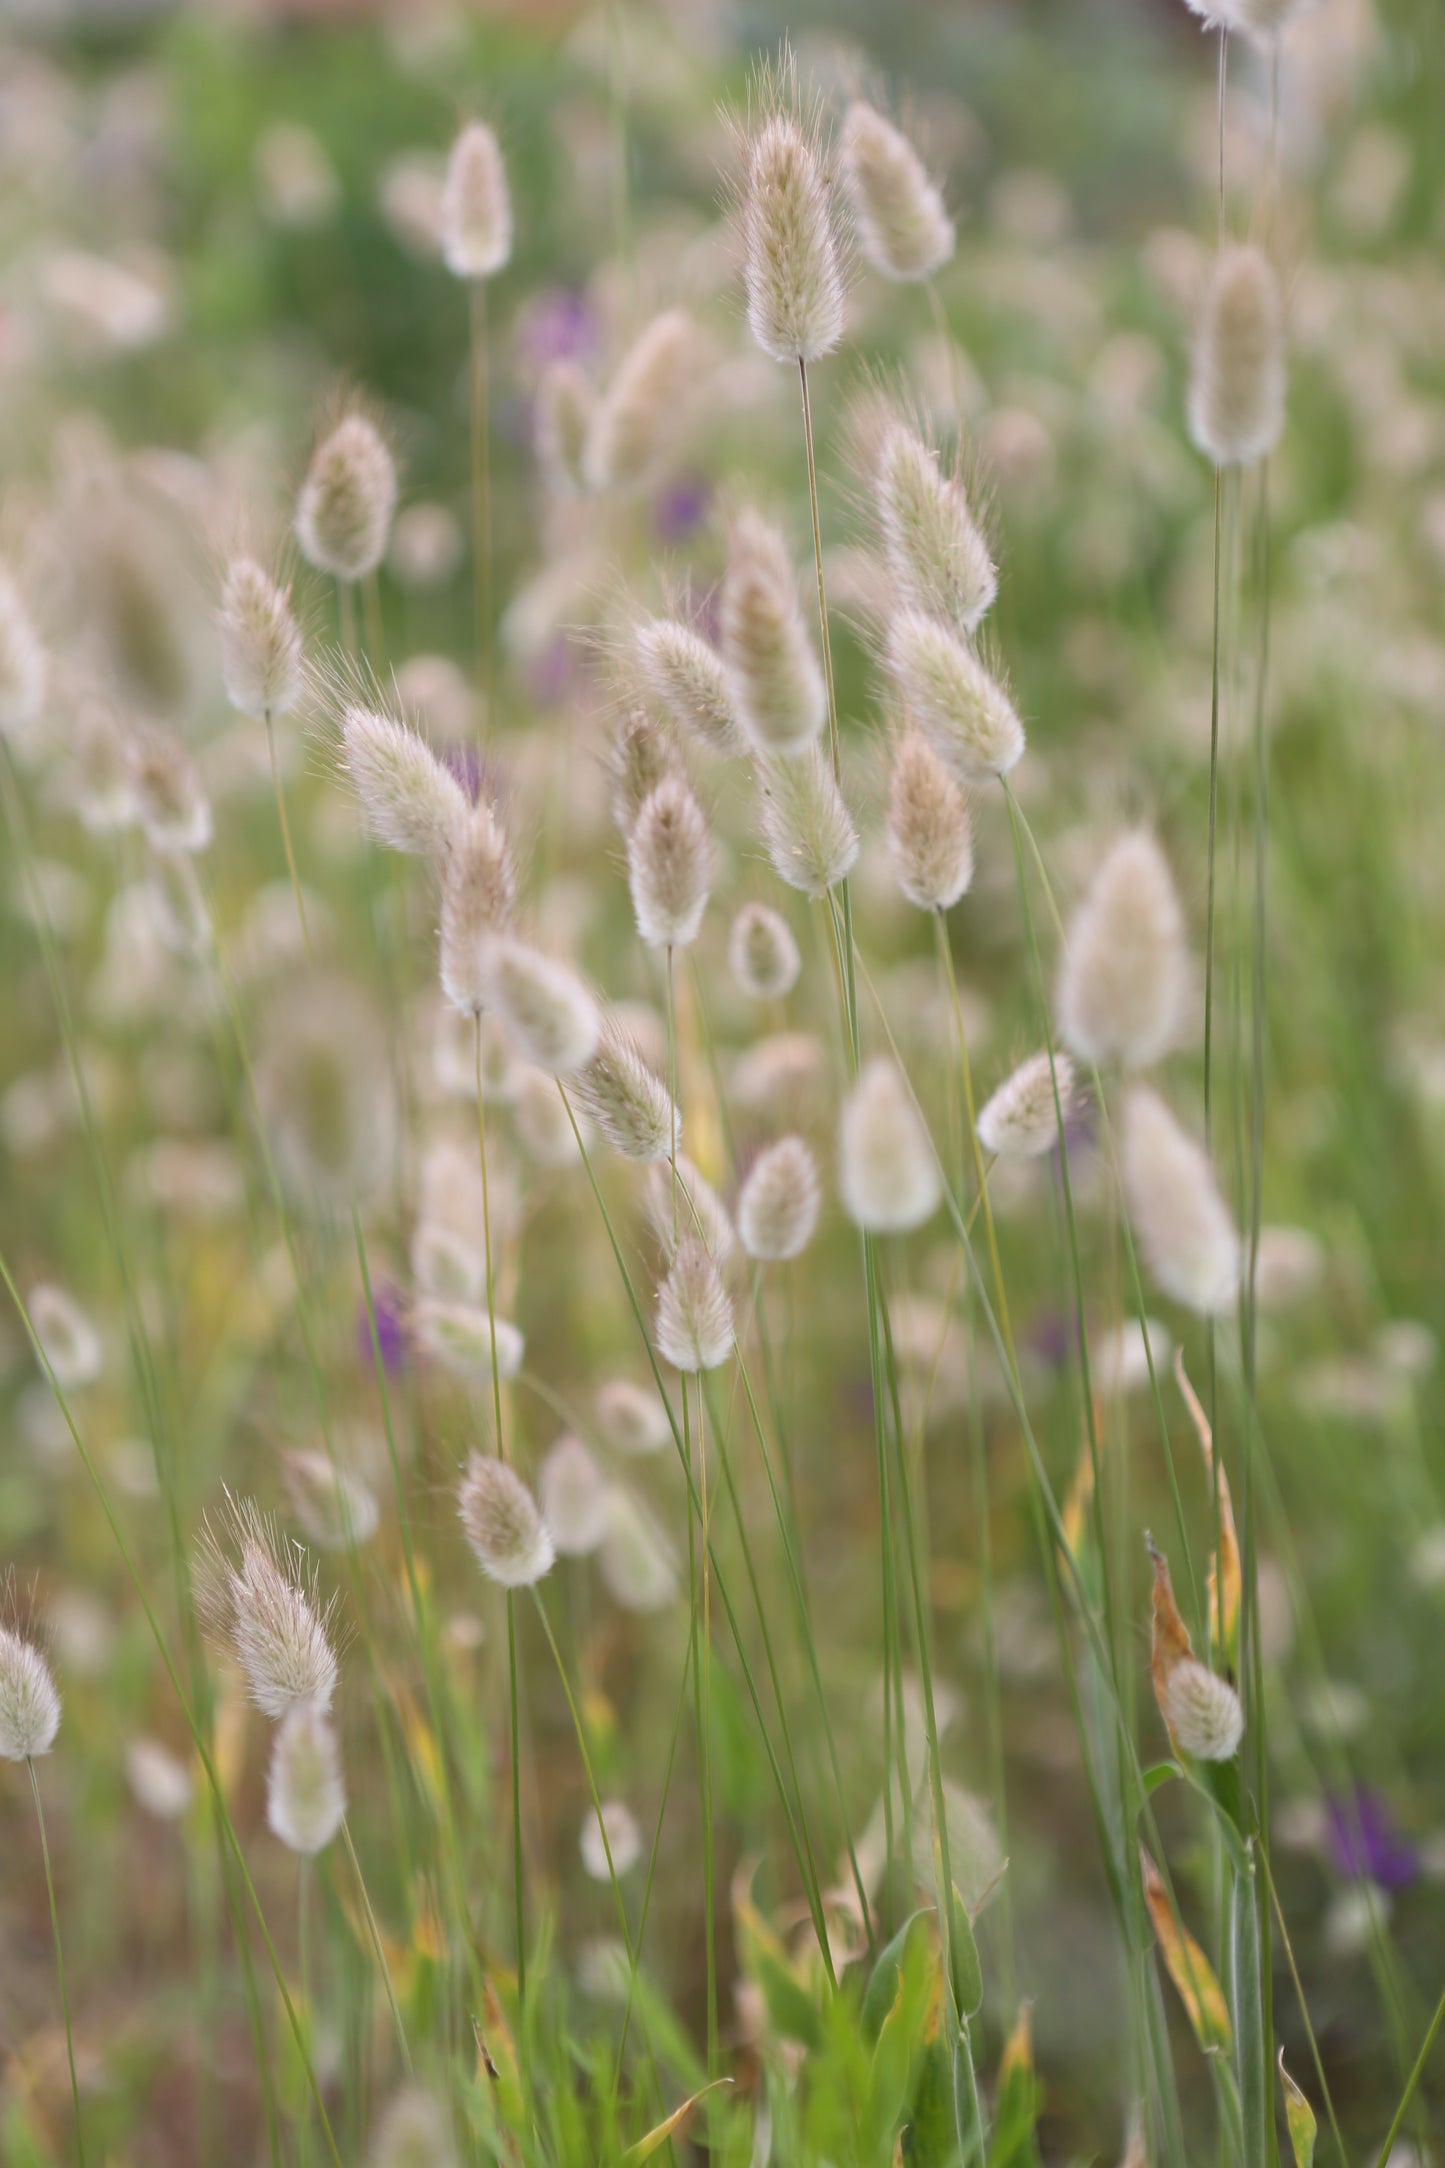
column 212, row 217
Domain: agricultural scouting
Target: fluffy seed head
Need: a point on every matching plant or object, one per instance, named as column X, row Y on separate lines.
column 459, row 1336
column 1203, row 1712
column 168, row 793
column 305, row 1792
column 792, row 271
column 260, row 642
column 500, row 1521
column 670, row 865
column 1123, row 978
column 1179, row 1219
column 476, row 206
column 637, row 419
column 479, row 894
column 778, row 1208
column 930, row 827
column 636, row 1560
column 640, row 757
column 689, row 682
column 1020, row 1120
column 23, row 665
column 334, row 1508
column 573, row 1498
column 550, row 1017
column 410, row 801
column 258, row 1598
column 779, row 693
column 324, row 1093
column 631, row 1418
column 566, row 406
column 935, row 549
column 68, row 1339
column 963, row 711
column 762, row 954
column 623, row 1841
column 1262, row 20
column 1237, row 381
column 807, row 829
column 695, row 1210
column 344, row 512
column 414, row 2132
column 694, row 1315
column 887, row 1174
column 629, row 1104
column 29, row 1702
column 903, row 228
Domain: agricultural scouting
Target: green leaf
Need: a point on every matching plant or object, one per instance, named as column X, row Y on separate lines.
column 1158, row 1775
column 661, row 2132
column 1299, row 2119
column 883, row 1980
column 963, row 1957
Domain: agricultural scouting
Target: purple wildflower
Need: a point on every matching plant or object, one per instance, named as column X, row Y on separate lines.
column 1363, row 1841
column 390, row 1331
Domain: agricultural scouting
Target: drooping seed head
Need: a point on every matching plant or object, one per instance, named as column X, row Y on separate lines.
column 807, row 829
column 565, row 409
column 68, row 1340
column 631, row 1418
column 305, row 1790
column 1237, row 379
column 778, row 688
column 476, row 206
column 24, row 667
column 334, row 1507
column 689, row 682
column 694, row 1209
column 624, row 1098
column 551, row 1018
column 1180, row 1222
column 459, row 1335
column 1124, row 976
column 1020, row 1121
column 902, row 226
column 572, row 1495
column 694, row 1315
column 887, row 1173
column 344, row 512
column 479, row 894
column 637, row 420
column 257, row 1595
column 963, row 711
column 780, row 1200
column 410, row 801
column 930, row 827
column 169, row 795
column 29, row 1700
column 762, row 953
column 934, row 547
column 500, row 1520
column 792, row 261
column 641, row 755
column 260, row 642
column 1203, row 1712
column 670, row 865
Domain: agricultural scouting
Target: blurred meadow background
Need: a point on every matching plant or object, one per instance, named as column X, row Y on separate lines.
column 899, row 1622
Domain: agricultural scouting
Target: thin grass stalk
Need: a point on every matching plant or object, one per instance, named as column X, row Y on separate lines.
column 59, row 1957
column 285, row 827
column 482, row 499
column 374, row 1937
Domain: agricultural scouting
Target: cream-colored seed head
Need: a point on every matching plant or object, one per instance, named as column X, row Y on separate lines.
column 903, row 228
column 1124, row 976
column 1264, row 21
column 324, row 1094
column 168, row 792
column 631, row 1418
column 691, row 1207
column 550, row 1017
column 479, row 894
column 792, row 269
column 689, row 682
column 641, row 755
column 778, row 688
column 694, row 1315
column 780, row 1200
column 638, row 419
column 629, row 1104
column 333, row 1506
column 929, row 828
column 476, row 206
column 501, row 1522
column 257, row 1595
column 467, row 1341
column 24, row 667
column 415, row 2131
column 68, row 1340
column 670, row 866
column 1203, row 1712
column 762, row 953
column 410, row 801
column 305, row 1791
column 807, row 829
column 963, row 711
column 636, row 1561
column 1237, row 381
column 565, row 410
column 344, row 513
column 29, row 1701
column 572, row 1495
column 622, row 1848
column 260, row 642
column 934, row 546
column 1021, row 1121
column 887, row 1172
column 1180, row 1221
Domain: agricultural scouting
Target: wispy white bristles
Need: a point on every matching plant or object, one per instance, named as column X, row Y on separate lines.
column 344, row 513
column 1124, row 976
column 501, row 1522
column 792, row 270
column 551, row 1018
column 260, row 643
column 476, row 206
column 29, row 1702
column 637, row 420
column 305, row 1791
column 410, row 800
column 887, row 1172
column 1180, row 1222
column 762, row 954
column 688, row 680
column 965, row 713
column 780, row 695
column 929, row 827
column 670, row 866
column 694, row 1315
column 1021, row 1121
column 259, row 1598
column 903, row 228
column 1237, row 382
column 778, row 1208
column 808, row 830
column 632, row 1107
column 934, row 546
column 23, row 665
column 479, row 893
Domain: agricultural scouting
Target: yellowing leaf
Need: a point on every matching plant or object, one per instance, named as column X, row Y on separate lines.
column 661, row 2132
column 1018, row 2053
column 1226, row 1581
column 1299, row 2119
column 1186, row 1964
column 1076, row 1505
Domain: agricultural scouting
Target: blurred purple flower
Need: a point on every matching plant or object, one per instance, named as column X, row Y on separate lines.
column 390, row 1331
column 558, row 324
column 679, row 510
column 1363, row 1841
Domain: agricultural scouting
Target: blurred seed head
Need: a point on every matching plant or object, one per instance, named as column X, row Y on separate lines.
column 629, row 1104
column 641, row 756
column 167, row 790
column 694, row 1315
column 694, row 1208
column 69, row 1340
column 415, row 2131
column 887, row 1173
column 550, row 1017
column 1124, row 975
column 566, row 409
column 792, row 260
column 635, row 1559
column 670, row 865
column 500, row 1521
column 410, row 801
column 160, row 1782
column 1237, row 378
column 29, row 1700
column 807, row 829
column 257, row 1596
column 934, row 547
column 572, row 1495
column 1203, row 1712
column 333, row 1507
column 778, row 688
column 479, row 894
column 963, row 711
column 623, row 1841
column 631, row 1418
column 780, row 1200
column 24, row 669
column 100, row 781
column 762, row 953
column 476, row 206
column 898, row 213
column 1020, row 1121
column 459, row 1336
column 261, row 659
column 540, row 1122
column 637, row 421
column 325, row 1095
column 930, row 826
column 1180, row 1222
column 305, row 1792
column 344, row 512
column 688, row 680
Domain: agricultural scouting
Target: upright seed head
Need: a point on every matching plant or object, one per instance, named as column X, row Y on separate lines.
column 344, row 512
column 260, row 642
column 410, row 801
column 476, row 206
column 68, row 1340
column 762, row 954
column 305, row 1791
column 930, row 827
column 934, row 546
column 778, row 688
column 23, row 664
column 550, row 1017
column 467, row 1341
column 964, row 712
column 565, row 409
column 1237, row 381
column 1124, row 976
column 694, row 1209
column 689, row 682
column 622, row 1848
column 29, row 1702
column 479, row 894
column 631, row 1418
column 1020, row 1120
column 258, row 1597
column 1180, row 1222
column 887, row 1172
column 780, row 1200
column 793, row 274
column 500, row 1521
column 807, row 828
column 1203, row 1712
column 694, row 1315
column 573, row 1498
column 629, row 1104
column 903, row 228
column 333, row 1506
column 670, row 866
column 168, row 793
column 637, row 419
column 640, row 757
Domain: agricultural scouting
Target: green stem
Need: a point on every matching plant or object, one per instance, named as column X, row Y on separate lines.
column 59, row 1958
